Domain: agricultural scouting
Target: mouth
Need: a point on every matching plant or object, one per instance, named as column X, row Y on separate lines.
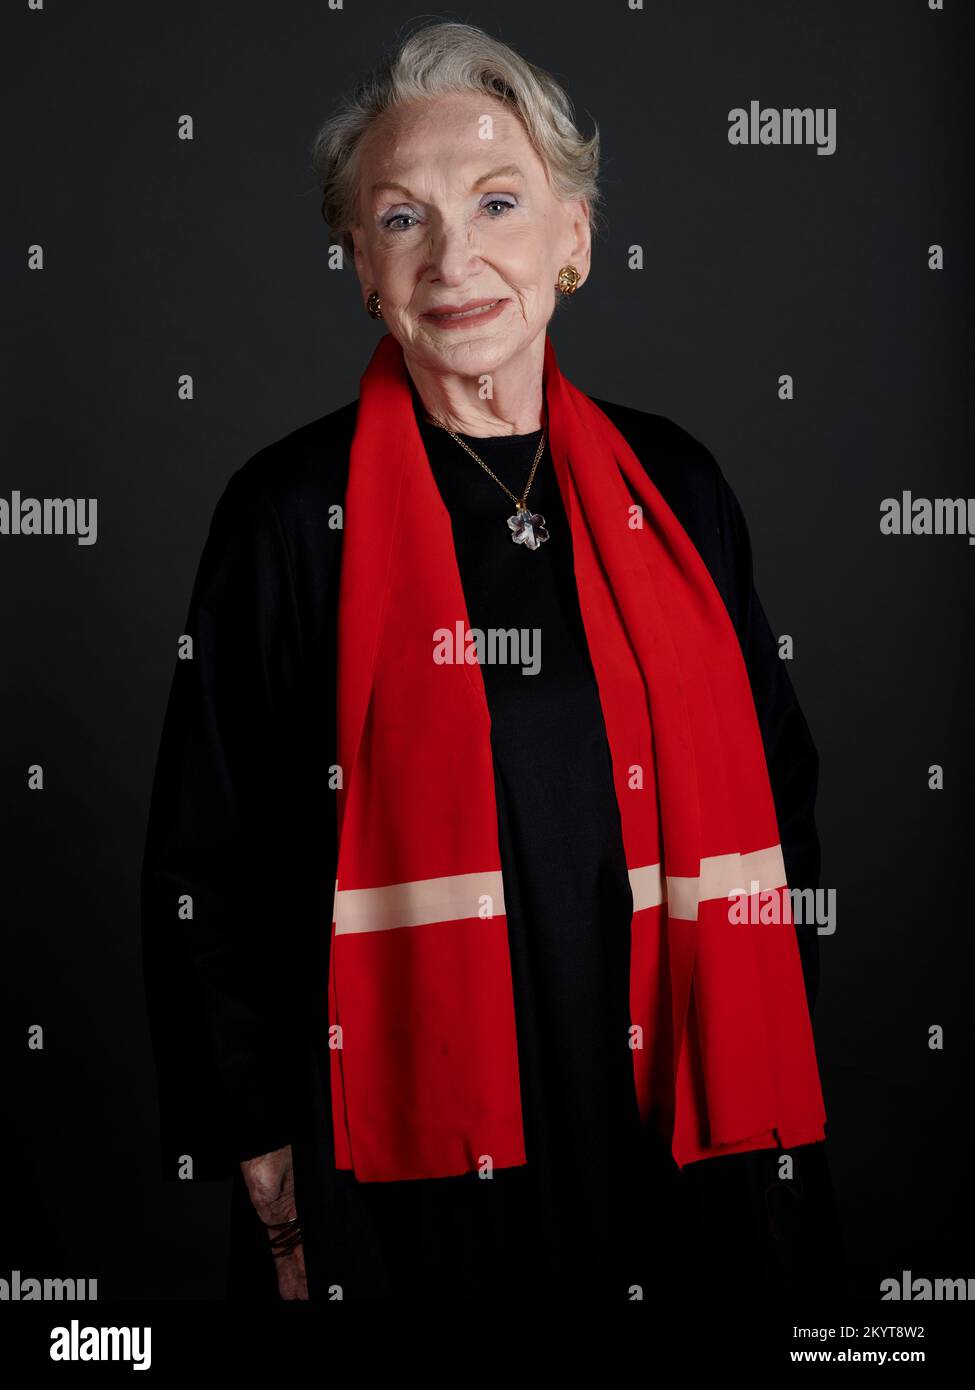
column 463, row 313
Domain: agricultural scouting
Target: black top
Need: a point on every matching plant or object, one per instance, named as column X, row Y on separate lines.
column 567, row 893
column 243, row 821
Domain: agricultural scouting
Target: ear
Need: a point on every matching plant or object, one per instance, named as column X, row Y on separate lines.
column 578, row 237
column 360, row 259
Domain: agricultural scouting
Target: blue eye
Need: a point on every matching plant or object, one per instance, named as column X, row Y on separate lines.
column 403, row 217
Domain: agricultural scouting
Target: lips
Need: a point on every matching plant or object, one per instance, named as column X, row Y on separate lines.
column 454, row 312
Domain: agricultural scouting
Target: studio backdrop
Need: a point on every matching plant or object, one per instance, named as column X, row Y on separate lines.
column 785, row 272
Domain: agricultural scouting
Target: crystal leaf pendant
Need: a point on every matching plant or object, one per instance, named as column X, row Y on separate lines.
column 527, row 528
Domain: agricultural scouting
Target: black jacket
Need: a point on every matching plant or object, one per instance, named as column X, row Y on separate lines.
column 242, row 821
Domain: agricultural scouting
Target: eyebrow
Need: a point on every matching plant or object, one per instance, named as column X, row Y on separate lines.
column 506, row 171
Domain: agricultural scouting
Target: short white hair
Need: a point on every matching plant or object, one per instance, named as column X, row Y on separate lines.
column 442, row 58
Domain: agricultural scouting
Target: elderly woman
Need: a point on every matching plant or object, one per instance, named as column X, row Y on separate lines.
column 482, row 788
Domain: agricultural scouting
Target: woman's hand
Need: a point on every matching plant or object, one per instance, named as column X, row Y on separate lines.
column 270, row 1184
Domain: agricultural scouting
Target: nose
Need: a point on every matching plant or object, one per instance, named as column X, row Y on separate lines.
column 454, row 253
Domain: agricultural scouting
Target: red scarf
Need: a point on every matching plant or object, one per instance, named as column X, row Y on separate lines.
column 424, row 1063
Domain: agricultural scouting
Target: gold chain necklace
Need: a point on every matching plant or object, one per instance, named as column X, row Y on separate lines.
column 527, row 528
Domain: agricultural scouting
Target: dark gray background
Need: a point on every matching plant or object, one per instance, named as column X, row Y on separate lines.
column 164, row 257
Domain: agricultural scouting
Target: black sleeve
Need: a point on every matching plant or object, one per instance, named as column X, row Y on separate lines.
column 216, row 980
column 790, row 753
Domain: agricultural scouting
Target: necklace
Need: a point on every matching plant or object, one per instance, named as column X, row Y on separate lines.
column 527, row 527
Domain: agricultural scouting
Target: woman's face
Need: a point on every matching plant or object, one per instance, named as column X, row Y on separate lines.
column 455, row 207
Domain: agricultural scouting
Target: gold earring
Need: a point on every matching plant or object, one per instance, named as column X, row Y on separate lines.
column 568, row 281
column 375, row 305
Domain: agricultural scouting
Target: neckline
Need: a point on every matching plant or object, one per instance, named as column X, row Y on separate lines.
column 475, row 440
column 482, row 441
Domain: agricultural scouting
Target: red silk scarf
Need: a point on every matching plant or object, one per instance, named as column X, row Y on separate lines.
column 423, row 1053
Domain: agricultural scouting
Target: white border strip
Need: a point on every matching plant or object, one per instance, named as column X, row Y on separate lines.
column 724, row 874
column 456, row 897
